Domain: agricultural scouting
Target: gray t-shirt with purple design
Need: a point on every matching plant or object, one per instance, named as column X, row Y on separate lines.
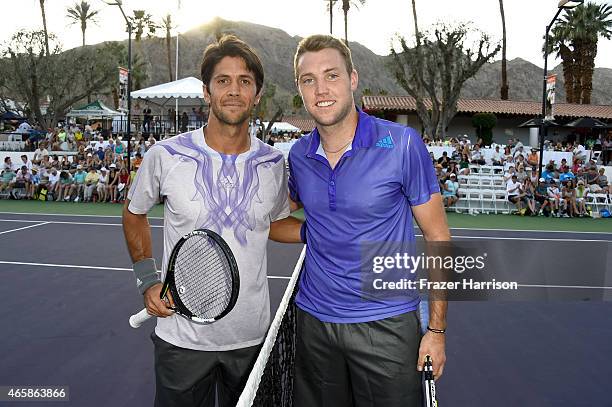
column 236, row 196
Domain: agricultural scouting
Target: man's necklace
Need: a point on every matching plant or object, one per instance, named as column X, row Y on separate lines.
column 338, row 150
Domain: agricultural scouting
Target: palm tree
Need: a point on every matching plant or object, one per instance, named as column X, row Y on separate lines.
column 167, row 25
column 346, row 5
column 44, row 18
column 142, row 22
column 81, row 14
column 330, row 9
column 574, row 38
column 504, row 87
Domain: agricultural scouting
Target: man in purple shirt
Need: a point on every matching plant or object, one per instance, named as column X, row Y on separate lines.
column 360, row 179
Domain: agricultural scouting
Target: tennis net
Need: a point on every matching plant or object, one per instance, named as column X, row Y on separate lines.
column 270, row 383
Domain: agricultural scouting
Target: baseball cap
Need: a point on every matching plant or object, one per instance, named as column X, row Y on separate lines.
column 112, row 166
column 542, row 180
column 103, row 169
column 79, row 167
column 453, row 175
column 89, row 155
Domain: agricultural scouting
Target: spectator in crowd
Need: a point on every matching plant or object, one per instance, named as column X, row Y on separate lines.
column 579, row 152
column 26, row 162
column 452, row 168
column 533, row 175
column 456, row 155
column 549, row 172
column 444, row 160
column 102, row 186
column 533, row 159
column 568, row 199
column 64, row 186
column 521, row 175
column 464, row 165
column 541, row 197
column 78, row 184
column 509, row 174
column 554, row 197
column 528, row 196
column 566, row 175
column 40, row 151
column 581, row 195
column 477, row 157
column 113, row 181
column 603, row 182
column 449, row 191
column 184, row 122
column 34, row 184
column 519, row 150
column 91, row 184
column 21, row 182
column 513, row 189
column 592, row 180
column 123, row 185
column 497, row 158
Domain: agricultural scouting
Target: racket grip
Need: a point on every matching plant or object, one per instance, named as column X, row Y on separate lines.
column 138, row 319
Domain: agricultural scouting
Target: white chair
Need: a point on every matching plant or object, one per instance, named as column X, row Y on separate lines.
column 486, row 182
column 473, row 181
column 501, row 201
column 598, row 202
column 462, row 179
column 474, row 168
column 474, row 199
column 498, row 169
column 486, row 169
column 487, row 201
column 463, row 203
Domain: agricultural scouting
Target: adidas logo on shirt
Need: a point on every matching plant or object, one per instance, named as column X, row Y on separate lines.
column 385, row 142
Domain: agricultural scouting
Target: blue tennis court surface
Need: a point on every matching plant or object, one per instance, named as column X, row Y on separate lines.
column 68, row 291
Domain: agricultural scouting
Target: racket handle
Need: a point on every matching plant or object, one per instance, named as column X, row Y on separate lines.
column 138, row 319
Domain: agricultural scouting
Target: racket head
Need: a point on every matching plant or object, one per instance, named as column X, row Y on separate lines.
column 202, row 277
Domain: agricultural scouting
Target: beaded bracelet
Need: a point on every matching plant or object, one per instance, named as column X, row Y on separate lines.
column 437, row 331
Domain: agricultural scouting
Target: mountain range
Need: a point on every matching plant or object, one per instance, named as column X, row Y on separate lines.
column 276, row 49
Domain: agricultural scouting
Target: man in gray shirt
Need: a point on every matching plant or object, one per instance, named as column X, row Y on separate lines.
column 217, row 178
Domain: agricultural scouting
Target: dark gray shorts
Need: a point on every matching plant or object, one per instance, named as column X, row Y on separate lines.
column 188, row 378
column 358, row 364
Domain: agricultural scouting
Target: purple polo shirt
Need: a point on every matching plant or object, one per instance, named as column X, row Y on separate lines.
column 367, row 197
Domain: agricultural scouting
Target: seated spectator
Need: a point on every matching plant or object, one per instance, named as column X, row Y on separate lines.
column 91, row 183
column 579, row 152
column 520, row 173
column 452, row 168
column 519, row 150
column 592, row 180
column 509, row 174
column 554, row 197
column 444, row 160
column 533, row 176
column 497, row 158
column 508, row 157
column 6, row 178
column 477, row 157
column 533, row 159
column 21, row 181
column 64, row 186
column 449, row 191
column 464, row 165
column 541, row 197
column 34, row 184
column 513, row 189
column 577, row 164
column 528, row 196
column 603, row 182
column 102, row 185
column 568, row 202
column 440, row 175
column 566, row 175
column 581, row 194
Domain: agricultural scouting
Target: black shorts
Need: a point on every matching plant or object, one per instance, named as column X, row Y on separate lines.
column 188, row 378
column 541, row 199
column 358, row 364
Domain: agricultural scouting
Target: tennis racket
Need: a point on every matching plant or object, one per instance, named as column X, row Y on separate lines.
column 202, row 278
column 429, row 384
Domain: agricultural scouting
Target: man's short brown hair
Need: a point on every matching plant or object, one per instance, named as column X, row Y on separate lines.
column 320, row 42
column 231, row 46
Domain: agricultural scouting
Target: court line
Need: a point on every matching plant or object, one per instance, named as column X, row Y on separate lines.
column 74, row 266
column 459, row 237
column 161, row 218
column 417, row 235
column 25, row 227
column 69, row 214
column 71, row 223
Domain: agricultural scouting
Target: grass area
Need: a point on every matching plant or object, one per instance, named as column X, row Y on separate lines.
column 455, row 220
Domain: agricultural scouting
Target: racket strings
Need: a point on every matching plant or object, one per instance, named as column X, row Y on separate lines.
column 203, row 277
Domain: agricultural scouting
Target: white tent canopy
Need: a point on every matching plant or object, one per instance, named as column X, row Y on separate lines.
column 182, row 89
column 280, row 127
column 95, row 109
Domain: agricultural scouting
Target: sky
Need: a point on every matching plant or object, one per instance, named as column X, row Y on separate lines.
column 373, row 24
